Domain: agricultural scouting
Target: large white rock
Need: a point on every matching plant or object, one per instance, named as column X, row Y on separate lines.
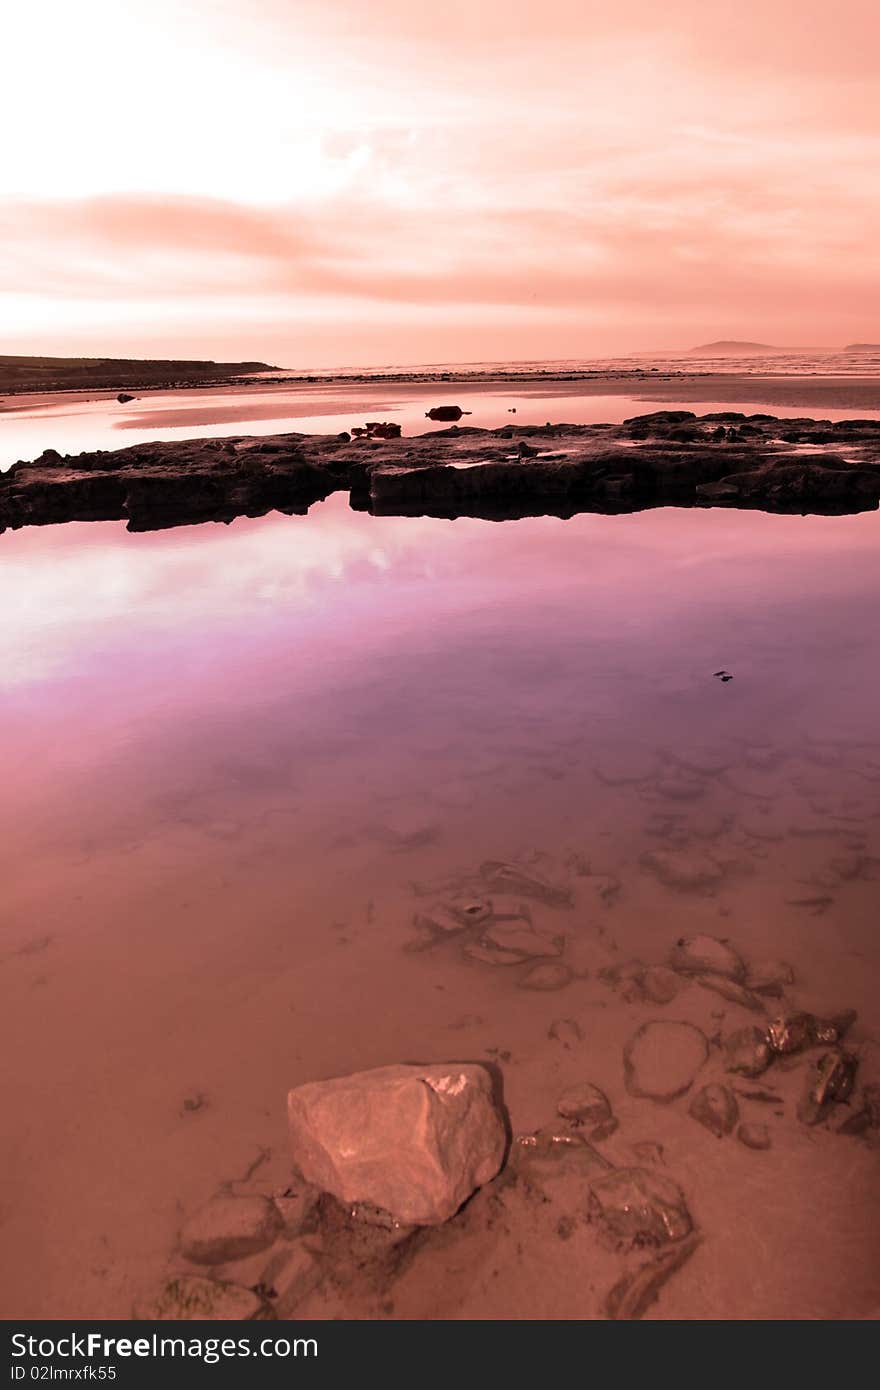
column 413, row 1140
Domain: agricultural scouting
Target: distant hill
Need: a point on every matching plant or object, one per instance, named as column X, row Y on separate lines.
column 731, row 347
column 862, row 347
column 115, row 373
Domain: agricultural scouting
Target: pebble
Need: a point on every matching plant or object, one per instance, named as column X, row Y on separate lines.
column 754, row 1136
column 230, row 1228
column 639, row 1206
column 584, row 1102
column 706, row 955
column 715, row 1108
column 662, row 1058
column 546, row 977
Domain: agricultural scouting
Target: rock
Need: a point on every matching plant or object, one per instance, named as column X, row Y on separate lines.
column 648, row 1151
column 715, row 1107
column 123, row 397
column 796, row 1030
column 522, row 939
column 633, row 1295
column 747, row 1052
column 455, row 471
column 491, row 955
column 638, row 1207
column 687, row 872
column 502, row 877
column 706, row 955
column 662, row 1058
column 547, row 977
column 659, row 985
column 566, row 1031
column 297, row 1207
column 790, row 1032
column 770, row 977
column 230, row 1228
column 413, row 1140
column 440, row 921
column 584, row 1102
column 754, row 1136
column 291, row 1275
column 445, row 412
column 191, row 1299
column 731, row 991
column 830, row 1081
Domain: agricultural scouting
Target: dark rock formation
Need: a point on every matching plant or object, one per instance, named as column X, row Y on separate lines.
column 669, row 457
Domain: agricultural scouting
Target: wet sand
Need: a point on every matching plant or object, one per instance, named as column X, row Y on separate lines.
column 234, row 759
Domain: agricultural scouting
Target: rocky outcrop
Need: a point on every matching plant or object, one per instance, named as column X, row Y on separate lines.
column 414, row 1141
column 722, row 459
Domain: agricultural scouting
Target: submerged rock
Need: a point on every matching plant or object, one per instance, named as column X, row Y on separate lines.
column 638, row 1207
column 685, row 871
column 715, row 1108
column 831, row 1080
column 192, row 1299
column 731, row 991
column 659, row 985
column 584, row 1102
column 503, row 877
column 633, row 1295
column 662, row 1058
column 706, row 955
column 522, row 939
column 547, row 977
column 747, row 1052
column 754, row 1136
column 413, row 1140
column 796, row 1031
column 771, row 977
column 230, row 1228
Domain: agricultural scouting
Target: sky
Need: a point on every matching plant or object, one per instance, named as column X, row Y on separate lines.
column 361, row 182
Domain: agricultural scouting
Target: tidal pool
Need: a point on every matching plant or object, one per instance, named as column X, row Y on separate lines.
column 235, row 759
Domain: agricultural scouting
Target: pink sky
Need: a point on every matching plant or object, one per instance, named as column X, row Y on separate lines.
column 323, row 182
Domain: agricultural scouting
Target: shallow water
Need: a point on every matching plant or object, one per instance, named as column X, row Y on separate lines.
column 233, row 754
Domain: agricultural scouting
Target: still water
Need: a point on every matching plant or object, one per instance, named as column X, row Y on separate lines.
column 233, row 759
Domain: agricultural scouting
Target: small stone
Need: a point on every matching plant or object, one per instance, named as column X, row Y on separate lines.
column 715, row 1107
column 770, row 977
column 547, row 977
column 706, row 955
column 754, row 1136
column 648, row 1151
column 522, row 939
column 638, row 1207
column 485, row 955
column 584, row 1102
column 790, row 1032
column 439, row 921
column 662, row 1058
column 831, row 1081
column 416, row 1141
column 604, row 1130
column 297, row 1207
column 292, row 1274
column 731, row 991
column 503, row 877
column 566, row 1031
column 660, row 985
column 191, row 1299
column 747, row 1052
column 688, row 873
column 230, row 1228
